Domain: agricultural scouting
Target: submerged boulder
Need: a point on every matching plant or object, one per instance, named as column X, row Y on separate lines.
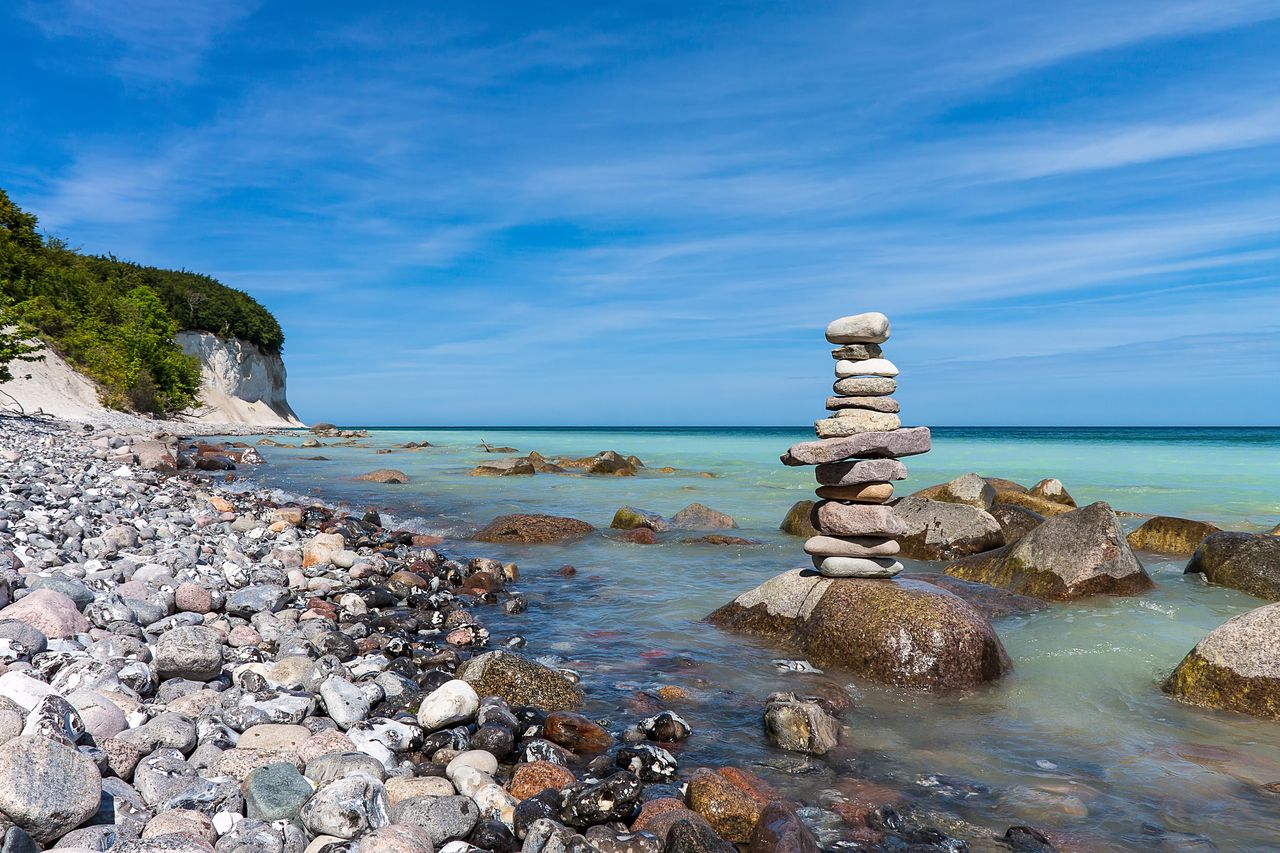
column 630, row 518
column 1235, row 668
column 799, row 520
column 938, row 530
column 521, row 527
column 384, row 475
column 698, row 516
column 1080, row 553
column 1166, row 534
column 516, row 466
column 1249, row 562
column 901, row 632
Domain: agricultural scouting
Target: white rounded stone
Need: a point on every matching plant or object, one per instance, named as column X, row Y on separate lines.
column 869, row 328
column 857, row 567
column 450, row 703
column 869, row 367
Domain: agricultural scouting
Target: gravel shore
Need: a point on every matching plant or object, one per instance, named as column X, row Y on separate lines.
column 188, row 669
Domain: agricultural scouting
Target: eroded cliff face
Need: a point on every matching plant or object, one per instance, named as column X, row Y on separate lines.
column 240, row 382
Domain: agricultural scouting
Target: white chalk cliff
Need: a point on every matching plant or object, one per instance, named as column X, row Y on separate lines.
column 240, row 382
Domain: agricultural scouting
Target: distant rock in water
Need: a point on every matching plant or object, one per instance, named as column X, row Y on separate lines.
column 629, row 518
column 798, row 521
column 511, row 467
column 384, row 475
column 698, row 516
column 1051, row 489
column 1080, row 553
column 1235, row 668
column 1166, row 534
column 966, row 489
column 532, row 529
column 901, row 632
column 1249, row 562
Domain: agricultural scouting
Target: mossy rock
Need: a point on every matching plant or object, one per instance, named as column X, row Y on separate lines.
column 630, row 518
column 1166, row 534
column 798, row 521
column 533, row 528
column 1235, row 668
column 1035, row 503
column 1249, row 562
column 1083, row 552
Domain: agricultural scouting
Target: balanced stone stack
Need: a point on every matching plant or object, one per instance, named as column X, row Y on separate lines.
column 856, row 456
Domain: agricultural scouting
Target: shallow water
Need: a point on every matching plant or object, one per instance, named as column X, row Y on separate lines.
column 1078, row 739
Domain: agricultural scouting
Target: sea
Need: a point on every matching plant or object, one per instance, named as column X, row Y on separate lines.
column 1078, row 740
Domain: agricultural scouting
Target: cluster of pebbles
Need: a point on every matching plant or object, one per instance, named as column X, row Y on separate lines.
column 856, row 456
column 183, row 669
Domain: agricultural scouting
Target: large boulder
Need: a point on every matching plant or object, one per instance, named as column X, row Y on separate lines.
column 799, row 520
column 992, row 602
column 1249, row 562
column 533, row 528
column 1166, row 534
column 966, row 489
column 521, row 681
column 1080, row 553
column 1236, row 667
column 901, row 632
column 938, row 530
column 1051, row 489
column 1015, row 521
column 698, row 516
column 1036, row 503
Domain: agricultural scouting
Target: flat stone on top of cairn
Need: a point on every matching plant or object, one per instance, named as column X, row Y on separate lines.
column 856, row 456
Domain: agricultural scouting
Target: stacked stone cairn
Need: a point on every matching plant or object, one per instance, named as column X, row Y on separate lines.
column 856, row 456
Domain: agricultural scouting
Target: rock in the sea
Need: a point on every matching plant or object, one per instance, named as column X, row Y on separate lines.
column 513, row 467
column 46, row 787
column 865, row 386
column 799, row 520
column 992, row 602
column 630, row 518
column 875, row 404
column 1080, row 553
column 871, row 327
column 521, row 681
column 868, row 445
column 780, row 830
column 937, row 530
column 533, row 528
column 1236, row 667
column 968, row 489
column 866, row 367
column 800, row 725
column 858, row 472
column 855, row 422
column 384, row 475
column 1166, row 534
column 698, row 516
column 1020, row 496
column 1249, row 562
column 1052, row 489
column 841, row 519
column 900, row 632
column 1015, row 521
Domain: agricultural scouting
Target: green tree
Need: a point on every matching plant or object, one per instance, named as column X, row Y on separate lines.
column 15, row 340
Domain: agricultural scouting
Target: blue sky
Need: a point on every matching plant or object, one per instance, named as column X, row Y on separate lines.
column 584, row 213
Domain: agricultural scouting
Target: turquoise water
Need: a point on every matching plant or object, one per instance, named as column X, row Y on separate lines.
column 1078, row 740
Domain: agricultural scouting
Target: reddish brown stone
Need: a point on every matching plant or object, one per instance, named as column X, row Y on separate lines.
column 779, row 830
column 537, row 776
column 732, row 811
column 638, row 536
column 576, row 732
column 423, row 540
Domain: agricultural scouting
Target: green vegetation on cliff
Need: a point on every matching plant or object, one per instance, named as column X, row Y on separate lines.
column 116, row 321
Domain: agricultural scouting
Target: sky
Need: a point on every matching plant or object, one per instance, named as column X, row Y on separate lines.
column 646, row 213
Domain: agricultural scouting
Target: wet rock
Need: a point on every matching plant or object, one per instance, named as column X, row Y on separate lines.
column 1249, row 562
column 1236, row 667
column 534, row 777
column 1015, row 521
column 384, row 475
column 901, row 632
column 664, row 727
column 698, row 516
column 686, row 836
column 47, row 788
column 630, row 518
column 651, row 763
column 731, row 810
column 605, row 839
column 800, row 725
column 937, row 530
column 1166, row 534
column 799, row 520
column 779, row 830
column 526, row 528
column 1080, row 553
column 515, row 467
column 992, row 602
column 575, row 732
column 613, row 798
column 521, row 681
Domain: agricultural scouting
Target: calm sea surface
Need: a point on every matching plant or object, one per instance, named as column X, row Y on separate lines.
column 1078, row 739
